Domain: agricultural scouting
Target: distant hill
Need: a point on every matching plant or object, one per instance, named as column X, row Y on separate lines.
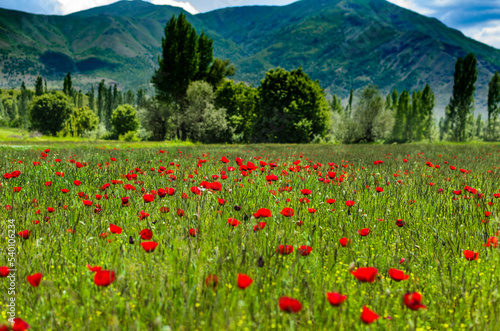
column 342, row 43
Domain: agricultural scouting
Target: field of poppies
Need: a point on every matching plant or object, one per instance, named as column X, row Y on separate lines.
column 256, row 237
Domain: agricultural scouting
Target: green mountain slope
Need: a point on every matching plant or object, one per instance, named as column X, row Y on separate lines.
column 343, row 43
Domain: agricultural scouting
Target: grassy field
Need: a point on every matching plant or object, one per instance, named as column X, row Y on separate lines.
column 203, row 235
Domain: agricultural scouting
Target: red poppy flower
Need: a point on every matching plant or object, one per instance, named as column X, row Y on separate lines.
column 115, row 229
column 491, row 242
column 303, row 200
column 87, row 202
column 124, row 200
column 259, row 226
column 221, row 202
column 284, row 249
column 77, row 182
column 305, row 191
column 368, row 316
column 379, row 189
column 149, row 246
column 224, row 160
column 413, row 301
column 180, row 212
column 4, row 271
column 35, row 279
column 18, row 325
column 170, row 191
column 25, row 234
column 93, row 269
column 365, row 274
column 397, row 275
column 192, row 232
column 196, row 190
column 364, row 232
column 287, row 212
column 146, row 234
column 289, row 305
column 50, row 210
column 335, row 299
column 244, row 281
column 304, row 250
column 262, row 212
column 330, row 201
column 212, row 281
column 457, row 192
column 400, row 223
column 344, row 242
column 104, row 277
column 349, row 203
column 17, row 189
column 148, row 198
column 470, row 255
column 233, row 221
column 487, row 213
column 311, row 210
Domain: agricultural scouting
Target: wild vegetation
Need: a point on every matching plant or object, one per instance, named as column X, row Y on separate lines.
column 256, row 237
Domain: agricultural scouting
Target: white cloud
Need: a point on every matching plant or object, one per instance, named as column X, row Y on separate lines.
column 71, row 6
column 489, row 34
column 184, row 5
column 411, row 5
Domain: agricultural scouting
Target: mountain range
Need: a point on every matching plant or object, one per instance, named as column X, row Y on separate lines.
column 342, row 43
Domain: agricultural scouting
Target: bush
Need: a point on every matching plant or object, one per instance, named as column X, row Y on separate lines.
column 293, row 108
column 81, row 120
column 129, row 136
column 124, row 119
column 49, row 112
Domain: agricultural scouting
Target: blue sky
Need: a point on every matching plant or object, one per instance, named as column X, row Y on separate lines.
column 478, row 19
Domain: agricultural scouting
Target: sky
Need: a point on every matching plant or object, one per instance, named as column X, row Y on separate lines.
column 478, row 19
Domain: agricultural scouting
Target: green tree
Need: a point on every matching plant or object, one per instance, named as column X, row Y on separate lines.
column 24, row 101
column 186, row 57
column 68, row 85
column 156, row 117
column 336, row 105
column 49, row 112
column 428, row 102
column 461, row 104
column 293, row 108
column 129, row 98
column 372, row 120
column 141, row 99
column 204, row 122
column 39, row 86
column 348, row 111
column 219, row 70
column 178, row 63
column 402, row 109
column 241, row 103
column 493, row 106
column 101, row 102
column 81, row 120
column 91, row 96
column 124, row 119
column 206, row 56
column 109, row 107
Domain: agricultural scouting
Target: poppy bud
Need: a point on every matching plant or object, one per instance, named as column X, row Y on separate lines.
column 131, row 240
column 260, row 262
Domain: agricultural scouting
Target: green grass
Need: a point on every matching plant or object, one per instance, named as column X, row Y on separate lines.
column 165, row 289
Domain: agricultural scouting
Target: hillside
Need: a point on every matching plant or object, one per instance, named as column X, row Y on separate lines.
column 342, row 43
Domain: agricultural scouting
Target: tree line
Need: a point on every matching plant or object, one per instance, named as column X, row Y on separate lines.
column 195, row 99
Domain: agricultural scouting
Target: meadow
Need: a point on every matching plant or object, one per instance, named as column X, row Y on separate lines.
column 255, row 237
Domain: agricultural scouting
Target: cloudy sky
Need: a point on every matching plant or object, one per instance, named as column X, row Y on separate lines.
column 478, row 19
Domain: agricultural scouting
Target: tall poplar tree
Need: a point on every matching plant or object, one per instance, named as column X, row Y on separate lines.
column 493, row 106
column 461, row 104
